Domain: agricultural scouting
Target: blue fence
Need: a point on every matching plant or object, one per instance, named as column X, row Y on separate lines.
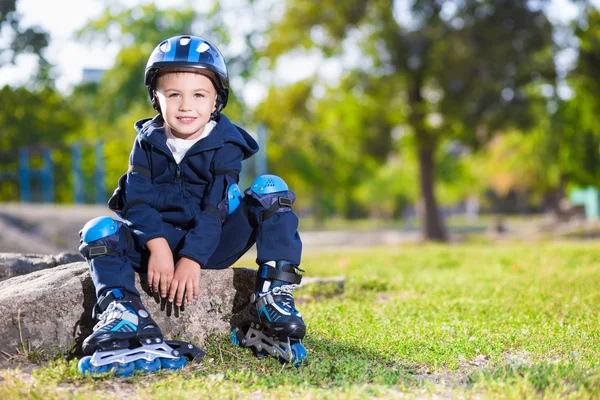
column 26, row 175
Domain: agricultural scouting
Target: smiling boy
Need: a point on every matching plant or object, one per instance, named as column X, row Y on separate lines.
column 182, row 210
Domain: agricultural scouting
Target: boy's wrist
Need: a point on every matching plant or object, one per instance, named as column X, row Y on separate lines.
column 191, row 261
column 157, row 244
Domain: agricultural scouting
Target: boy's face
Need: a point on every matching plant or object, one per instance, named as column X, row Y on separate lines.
column 186, row 100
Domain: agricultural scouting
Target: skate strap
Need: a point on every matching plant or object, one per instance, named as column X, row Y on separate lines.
column 282, row 201
column 271, row 273
column 264, row 300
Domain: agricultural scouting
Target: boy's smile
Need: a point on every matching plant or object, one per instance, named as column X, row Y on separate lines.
column 186, row 100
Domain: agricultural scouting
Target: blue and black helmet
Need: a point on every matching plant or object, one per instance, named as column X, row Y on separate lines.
column 189, row 52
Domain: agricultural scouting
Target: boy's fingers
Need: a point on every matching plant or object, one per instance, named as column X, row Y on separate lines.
column 173, row 290
column 190, row 291
column 196, row 288
column 164, row 287
column 155, row 282
column 168, row 284
column 150, row 277
column 179, row 298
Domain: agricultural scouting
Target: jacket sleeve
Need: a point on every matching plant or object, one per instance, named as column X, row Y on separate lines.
column 144, row 220
column 202, row 240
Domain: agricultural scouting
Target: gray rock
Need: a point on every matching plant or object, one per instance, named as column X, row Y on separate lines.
column 15, row 264
column 53, row 307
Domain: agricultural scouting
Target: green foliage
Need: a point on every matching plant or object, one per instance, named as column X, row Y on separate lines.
column 576, row 141
column 327, row 146
column 35, row 120
column 521, row 162
column 395, row 185
column 463, row 59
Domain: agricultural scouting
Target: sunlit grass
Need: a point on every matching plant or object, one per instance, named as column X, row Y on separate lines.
column 505, row 320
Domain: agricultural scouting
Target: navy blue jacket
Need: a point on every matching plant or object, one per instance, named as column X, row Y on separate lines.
column 187, row 194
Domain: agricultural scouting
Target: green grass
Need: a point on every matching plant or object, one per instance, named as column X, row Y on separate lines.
column 467, row 321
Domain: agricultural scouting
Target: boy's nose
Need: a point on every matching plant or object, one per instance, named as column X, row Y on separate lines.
column 183, row 106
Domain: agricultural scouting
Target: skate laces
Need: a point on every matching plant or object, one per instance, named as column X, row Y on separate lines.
column 113, row 311
column 288, row 300
column 284, row 289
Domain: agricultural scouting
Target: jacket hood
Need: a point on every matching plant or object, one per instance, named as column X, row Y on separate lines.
column 152, row 130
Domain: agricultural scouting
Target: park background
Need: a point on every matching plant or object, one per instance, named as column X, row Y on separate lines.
column 467, row 121
column 404, row 111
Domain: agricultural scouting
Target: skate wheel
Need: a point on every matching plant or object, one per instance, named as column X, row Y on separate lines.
column 234, row 338
column 86, row 368
column 173, row 363
column 147, row 366
column 299, row 354
column 122, row 370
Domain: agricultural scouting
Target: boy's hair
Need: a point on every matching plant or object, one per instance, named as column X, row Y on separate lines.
column 179, row 70
column 189, row 52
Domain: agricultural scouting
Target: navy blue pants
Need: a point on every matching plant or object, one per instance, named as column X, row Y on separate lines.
column 276, row 238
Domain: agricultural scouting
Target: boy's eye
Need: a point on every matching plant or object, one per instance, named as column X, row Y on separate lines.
column 199, row 95
column 174, row 95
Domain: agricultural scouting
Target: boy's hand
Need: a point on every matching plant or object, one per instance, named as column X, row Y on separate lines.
column 186, row 280
column 160, row 266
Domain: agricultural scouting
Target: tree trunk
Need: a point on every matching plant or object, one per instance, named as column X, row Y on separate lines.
column 432, row 226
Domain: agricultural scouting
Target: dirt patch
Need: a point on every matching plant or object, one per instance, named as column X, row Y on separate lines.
column 457, row 378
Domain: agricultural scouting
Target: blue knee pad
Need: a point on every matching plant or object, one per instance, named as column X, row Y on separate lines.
column 99, row 237
column 271, row 195
column 233, row 198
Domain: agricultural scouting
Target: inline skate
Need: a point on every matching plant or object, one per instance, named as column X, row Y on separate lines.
column 126, row 339
column 271, row 324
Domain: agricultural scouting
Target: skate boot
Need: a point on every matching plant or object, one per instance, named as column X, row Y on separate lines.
column 126, row 339
column 272, row 325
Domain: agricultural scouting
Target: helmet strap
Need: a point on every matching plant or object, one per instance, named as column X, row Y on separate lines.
column 218, row 108
column 153, row 100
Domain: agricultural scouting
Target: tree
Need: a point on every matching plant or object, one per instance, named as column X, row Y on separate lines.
column 469, row 67
column 31, row 40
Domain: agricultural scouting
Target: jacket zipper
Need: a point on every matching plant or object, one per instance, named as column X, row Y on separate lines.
column 180, row 181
